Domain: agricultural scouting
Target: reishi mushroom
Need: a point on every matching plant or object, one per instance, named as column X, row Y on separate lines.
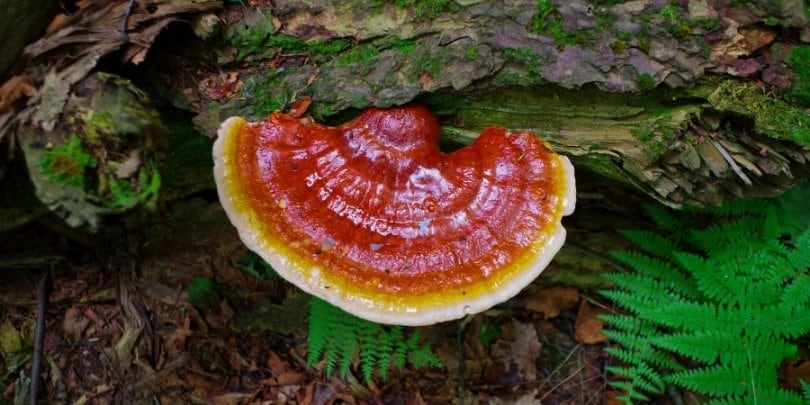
column 372, row 217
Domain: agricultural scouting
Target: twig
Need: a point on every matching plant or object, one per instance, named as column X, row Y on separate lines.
column 43, row 291
column 731, row 162
column 124, row 36
column 462, row 367
column 559, row 384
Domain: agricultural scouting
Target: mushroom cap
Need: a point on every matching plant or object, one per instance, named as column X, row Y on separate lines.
column 372, row 217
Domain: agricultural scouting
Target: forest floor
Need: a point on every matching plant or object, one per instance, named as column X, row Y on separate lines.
column 120, row 328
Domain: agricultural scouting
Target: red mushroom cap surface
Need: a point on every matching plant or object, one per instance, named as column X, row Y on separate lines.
column 372, row 217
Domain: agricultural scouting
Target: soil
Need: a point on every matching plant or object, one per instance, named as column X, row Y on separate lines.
column 120, row 327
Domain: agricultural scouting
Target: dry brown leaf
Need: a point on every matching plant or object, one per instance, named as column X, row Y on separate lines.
column 227, row 88
column 299, row 107
column 519, row 347
column 232, row 398
column 75, row 323
column 176, row 340
column 284, row 374
column 14, row 89
column 588, row 328
column 611, row 398
column 551, row 301
column 796, row 372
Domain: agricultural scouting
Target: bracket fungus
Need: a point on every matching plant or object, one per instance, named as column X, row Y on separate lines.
column 372, row 217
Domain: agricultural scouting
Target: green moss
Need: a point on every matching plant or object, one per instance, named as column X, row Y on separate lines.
column 400, row 44
column 709, row 24
column 645, row 81
column 427, row 8
column 644, row 131
column 428, row 63
column 525, row 60
column 99, row 123
column 66, row 164
column 772, row 117
column 658, row 131
column 128, row 193
column 800, row 62
column 521, row 56
column 776, row 22
column 671, row 14
column 269, row 93
column 548, row 22
column 472, row 52
column 250, row 36
column 618, row 46
column 203, row 293
column 256, row 35
column 361, row 54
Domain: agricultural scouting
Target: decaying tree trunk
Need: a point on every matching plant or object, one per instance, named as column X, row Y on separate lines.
column 684, row 102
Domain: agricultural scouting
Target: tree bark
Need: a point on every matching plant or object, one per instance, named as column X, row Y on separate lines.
column 680, row 101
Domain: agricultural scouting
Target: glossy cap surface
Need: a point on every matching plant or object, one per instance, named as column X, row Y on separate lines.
column 372, row 217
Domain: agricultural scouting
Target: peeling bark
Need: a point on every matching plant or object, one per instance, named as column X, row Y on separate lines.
column 676, row 100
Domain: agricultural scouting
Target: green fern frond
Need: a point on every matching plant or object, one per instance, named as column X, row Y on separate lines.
column 794, row 217
column 700, row 346
column 652, row 242
column 768, row 396
column 338, row 338
column 727, row 233
column 424, row 357
column 667, row 221
column 630, row 391
column 714, row 281
column 799, row 257
column 386, row 348
column 644, row 264
column 643, row 286
column 687, row 316
column 319, row 320
column 727, row 288
column 715, row 380
column 642, row 377
column 805, row 392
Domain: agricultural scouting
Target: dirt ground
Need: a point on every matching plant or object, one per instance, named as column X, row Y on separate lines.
column 120, row 327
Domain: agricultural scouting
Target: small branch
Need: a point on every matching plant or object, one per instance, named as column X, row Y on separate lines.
column 39, row 336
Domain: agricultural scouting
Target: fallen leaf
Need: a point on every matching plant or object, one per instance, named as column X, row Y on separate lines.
column 234, row 398
column 75, row 323
column 14, row 89
column 227, row 88
column 176, row 340
column 10, row 340
column 588, row 328
column 551, row 301
column 519, row 347
column 299, row 106
column 283, row 373
column 794, row 373
column 611, row 398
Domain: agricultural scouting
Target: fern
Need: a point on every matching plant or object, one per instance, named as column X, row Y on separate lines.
column 338, row 338
column 726, row 288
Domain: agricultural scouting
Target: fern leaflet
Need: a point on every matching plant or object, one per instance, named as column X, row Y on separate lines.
column 726, row 288
column 338, row 338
